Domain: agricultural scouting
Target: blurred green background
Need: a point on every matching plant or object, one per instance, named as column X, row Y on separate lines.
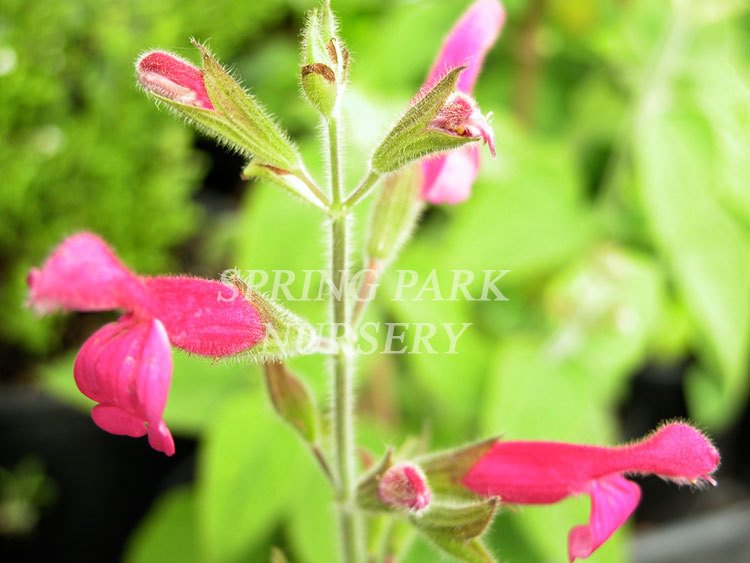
column 619, row 202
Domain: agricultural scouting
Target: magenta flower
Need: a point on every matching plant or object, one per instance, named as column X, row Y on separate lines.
column 126, row 366
column 547, row 472
column 172, row 77
column 448, row 179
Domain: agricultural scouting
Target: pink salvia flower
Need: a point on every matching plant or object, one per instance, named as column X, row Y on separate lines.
column 547, row 472
column 170, row 76
column 405, row 486
column 126, row 366
column 448, row 179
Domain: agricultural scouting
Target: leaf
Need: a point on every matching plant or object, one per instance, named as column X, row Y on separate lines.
column 705, row 250
column 168, row 532
column 311, row 525
column 251, row 469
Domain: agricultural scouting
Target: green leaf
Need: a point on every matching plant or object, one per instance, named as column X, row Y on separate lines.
column 706, row 251
column 168, row 532
column 251, row 470
column 311, row 526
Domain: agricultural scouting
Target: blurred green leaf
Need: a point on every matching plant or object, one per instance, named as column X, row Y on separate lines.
column 311, row 524
column 705, row 249
column 169, row 532
column 252, row 469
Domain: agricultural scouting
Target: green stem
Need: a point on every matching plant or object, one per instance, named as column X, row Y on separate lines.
column 362, row 190
column 343, row 422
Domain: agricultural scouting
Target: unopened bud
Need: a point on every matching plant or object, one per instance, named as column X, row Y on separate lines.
column 292, row 400
column 172, row 77
column 404, row 486
column 395, row 214
column 320, row 87
column 214, row 101
column 325, row 60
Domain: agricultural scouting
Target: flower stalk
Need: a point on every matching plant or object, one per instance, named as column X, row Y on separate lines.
column 343, row 398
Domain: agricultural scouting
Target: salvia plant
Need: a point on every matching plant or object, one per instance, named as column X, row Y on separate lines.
column 430, row 155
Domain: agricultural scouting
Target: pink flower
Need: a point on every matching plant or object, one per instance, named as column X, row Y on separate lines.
column 448, row 179
column 170, row 76
column 547, row 472
column 405, row 486
column 126, row 366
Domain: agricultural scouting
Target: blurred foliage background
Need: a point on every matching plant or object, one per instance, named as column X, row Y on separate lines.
column 619, row 202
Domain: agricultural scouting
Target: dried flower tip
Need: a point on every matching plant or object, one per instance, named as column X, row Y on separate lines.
column 461, row 116
column 405, row 486
column 170, row 76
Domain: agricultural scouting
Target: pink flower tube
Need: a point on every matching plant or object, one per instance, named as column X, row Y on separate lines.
column 170, row 76
column 547, row 472
column 448, row 178
column 126, row 366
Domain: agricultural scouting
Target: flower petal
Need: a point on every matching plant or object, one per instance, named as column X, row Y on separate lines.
column 613, row 500
column 448, row 179
column 126, row 366
column 676, row 451
column 160, row 438
column 468, row 42
column 204, row 316
column 83, row 274
column 116, row 421
column 529, row 472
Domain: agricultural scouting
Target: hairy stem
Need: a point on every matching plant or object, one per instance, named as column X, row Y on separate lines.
column 343, row 398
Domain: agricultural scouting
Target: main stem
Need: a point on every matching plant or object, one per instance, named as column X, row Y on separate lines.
column 343, row 408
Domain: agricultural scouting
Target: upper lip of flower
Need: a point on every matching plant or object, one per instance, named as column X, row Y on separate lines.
column 467, row 43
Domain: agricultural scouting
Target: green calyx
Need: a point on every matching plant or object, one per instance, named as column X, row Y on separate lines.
column 412, row 138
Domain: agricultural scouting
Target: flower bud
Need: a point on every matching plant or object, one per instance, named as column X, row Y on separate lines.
column 172, row 77
column 325, row 61
column 405, row 486
column 394, row 214
column 292, row 400
column 214, row 101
